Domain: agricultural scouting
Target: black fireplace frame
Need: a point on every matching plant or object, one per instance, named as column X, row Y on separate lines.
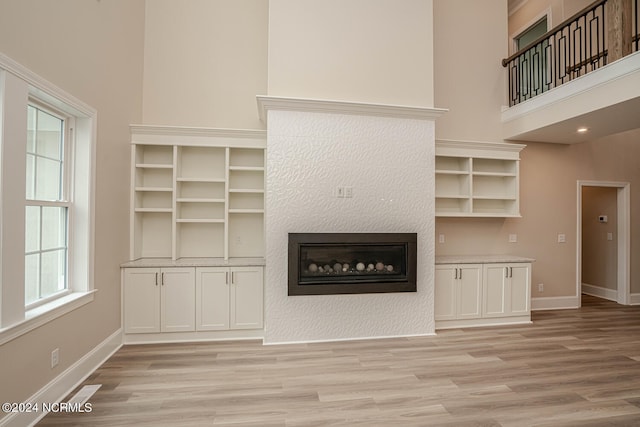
column 297, row 240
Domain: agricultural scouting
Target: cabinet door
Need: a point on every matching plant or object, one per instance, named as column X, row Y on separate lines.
column 445, row 292
column 495, row 290
column 212, row 298
column 520, row 298
column 469, row 291
column 246, row 298
column 178, row 299
column 141, row 297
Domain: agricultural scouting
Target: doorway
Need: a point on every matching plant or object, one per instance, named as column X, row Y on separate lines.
column 604, row 213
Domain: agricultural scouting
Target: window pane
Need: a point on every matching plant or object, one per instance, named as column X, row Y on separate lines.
column 53, row 274
column 49, row 136
column 31, row 129
column 48, row 179
column 32, row 227
column 45, row 155
column 54, row 227
column 31, row 183
column 31, row 278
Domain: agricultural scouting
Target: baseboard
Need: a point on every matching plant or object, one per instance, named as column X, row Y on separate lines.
column 600, row 292
column 482, row 322
column 635, row 299
column 200, row 336
column 64, row 383
column 554, row 303
column 330, row 340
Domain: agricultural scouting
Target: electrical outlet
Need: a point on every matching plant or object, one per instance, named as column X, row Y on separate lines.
column 540, row 287
column 562, row 238
column 513, row 238
column 55, row 357
column 348, row 192
column 441, row 238
column 340, row 192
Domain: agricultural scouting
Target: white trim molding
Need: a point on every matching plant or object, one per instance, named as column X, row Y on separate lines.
column 64, row 383
column 600, row 292
column 623, row 236
column 266, row 103
column 555, row 303
column 197, row 131
column 192, row 136
column 46, row 313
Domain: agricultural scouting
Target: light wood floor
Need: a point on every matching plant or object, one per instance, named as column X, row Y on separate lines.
column 569, row 368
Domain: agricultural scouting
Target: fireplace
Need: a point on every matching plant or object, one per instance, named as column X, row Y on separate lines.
column 351, row 263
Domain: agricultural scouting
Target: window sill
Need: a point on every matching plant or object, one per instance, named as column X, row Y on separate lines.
column 43, row 314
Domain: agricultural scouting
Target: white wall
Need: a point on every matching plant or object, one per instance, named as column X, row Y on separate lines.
column 469, row 78
column 92, row 50
column 204, row 62
column 599, row 254
column 378, row 51
column 389, row 164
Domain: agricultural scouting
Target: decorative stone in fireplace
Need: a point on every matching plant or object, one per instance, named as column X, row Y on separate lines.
column 351, row 263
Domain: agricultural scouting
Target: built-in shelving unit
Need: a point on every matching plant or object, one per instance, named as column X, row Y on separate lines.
column 477, row 178
column 197, row 235
column 197, row 193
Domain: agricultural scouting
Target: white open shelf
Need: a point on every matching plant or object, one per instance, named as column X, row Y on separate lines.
column 477, row 178
column 197, row 193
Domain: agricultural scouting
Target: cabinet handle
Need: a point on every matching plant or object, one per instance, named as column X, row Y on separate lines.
column 232, row 278
column 456, row 277
column 506, row 272
column 162, row 279
column 460, row 274
column 156, row 279
column 510, row 271
column 226, row 278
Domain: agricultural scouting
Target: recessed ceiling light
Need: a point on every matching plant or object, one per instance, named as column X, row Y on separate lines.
column 583, row 129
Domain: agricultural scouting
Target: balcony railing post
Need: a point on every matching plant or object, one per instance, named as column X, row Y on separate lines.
column 619, row 23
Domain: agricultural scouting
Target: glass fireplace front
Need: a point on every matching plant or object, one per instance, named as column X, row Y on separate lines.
column 344, row 263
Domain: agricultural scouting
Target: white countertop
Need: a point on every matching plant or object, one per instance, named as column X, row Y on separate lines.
column 194, row 262
column 480, row 259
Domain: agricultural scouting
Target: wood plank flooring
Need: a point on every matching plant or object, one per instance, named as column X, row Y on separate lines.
column 569, row 368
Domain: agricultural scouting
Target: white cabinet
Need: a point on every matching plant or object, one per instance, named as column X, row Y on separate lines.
column 481, row 294
column 477, row 179
column 197, row 301
column 507, row 290
column 159, row 300
column 197, row 193
column 229, row 298
column 458, row 291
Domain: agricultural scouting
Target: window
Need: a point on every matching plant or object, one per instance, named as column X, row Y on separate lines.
column 47, row 140
column 531, row 34
column 533, row 73
column 47, row 206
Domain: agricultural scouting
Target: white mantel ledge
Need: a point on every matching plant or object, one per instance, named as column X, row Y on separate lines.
column 267, row 103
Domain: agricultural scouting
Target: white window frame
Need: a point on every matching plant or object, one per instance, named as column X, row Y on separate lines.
column 19, row 87
column 66, row 200
column 527, row 26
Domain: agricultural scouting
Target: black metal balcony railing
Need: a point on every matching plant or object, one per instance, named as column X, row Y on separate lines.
column 570, row 50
